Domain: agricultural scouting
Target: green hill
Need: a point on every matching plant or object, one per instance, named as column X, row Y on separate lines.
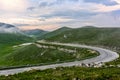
column 87, row 35
column 35, row 32
column 7, row 40
column 54, row 33
column 31, row 54
column 11, row 38
column 10, row 34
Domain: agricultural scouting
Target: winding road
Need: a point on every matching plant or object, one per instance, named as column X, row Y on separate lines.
column 105, row 56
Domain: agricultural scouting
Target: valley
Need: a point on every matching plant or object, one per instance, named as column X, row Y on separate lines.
column 64, row 47
column 59, row 39
column 105, row 56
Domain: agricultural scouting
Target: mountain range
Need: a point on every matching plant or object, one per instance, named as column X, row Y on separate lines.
column 84, row 35
column 9, row 34
column 89, row 35
column 35, row 32
column 8, row 28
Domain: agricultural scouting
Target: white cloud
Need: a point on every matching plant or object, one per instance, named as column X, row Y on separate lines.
column 105, row 20
column 9, row 30
column 31, row 21
column 103, row 8
column 118, row 1
column 58, row 19
column 13, row 5
column 48, row 27
column 14, row 12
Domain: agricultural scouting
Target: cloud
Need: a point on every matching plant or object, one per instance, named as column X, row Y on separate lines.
column 105, row 20
column 117, row 12
column 56, row 2
column 117, row 1
column 21, row 21
column 50, row 14
column 48, row 27
column 73, row 14
column 13, row 5
column 44, row 4
column 20, row 24
column 104, row 2
column 116, row 15
column 103, row 8
column 31, row 8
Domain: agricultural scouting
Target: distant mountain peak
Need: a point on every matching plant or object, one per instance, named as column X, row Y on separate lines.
column 89, row 27
column 35, row 32
column 64, row 27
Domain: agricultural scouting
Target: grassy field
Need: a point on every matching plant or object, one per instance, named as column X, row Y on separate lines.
column 11, row 38
column 68, row 73
column 31, row 55
column 7, row 40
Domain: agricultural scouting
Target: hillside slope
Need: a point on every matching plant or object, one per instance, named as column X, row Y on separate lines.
column 7, row 38
column 32, row 54
column 54, row 33
column 35, row 32
column 10, row 34
column 89, row 35
column 7, row 41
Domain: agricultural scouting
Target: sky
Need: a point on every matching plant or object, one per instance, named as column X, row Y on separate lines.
column 53, row 14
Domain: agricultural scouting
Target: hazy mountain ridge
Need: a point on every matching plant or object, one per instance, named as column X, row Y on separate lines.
column 8, row 28
column 54, row 33
column 35, row 32
column 9, row 34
